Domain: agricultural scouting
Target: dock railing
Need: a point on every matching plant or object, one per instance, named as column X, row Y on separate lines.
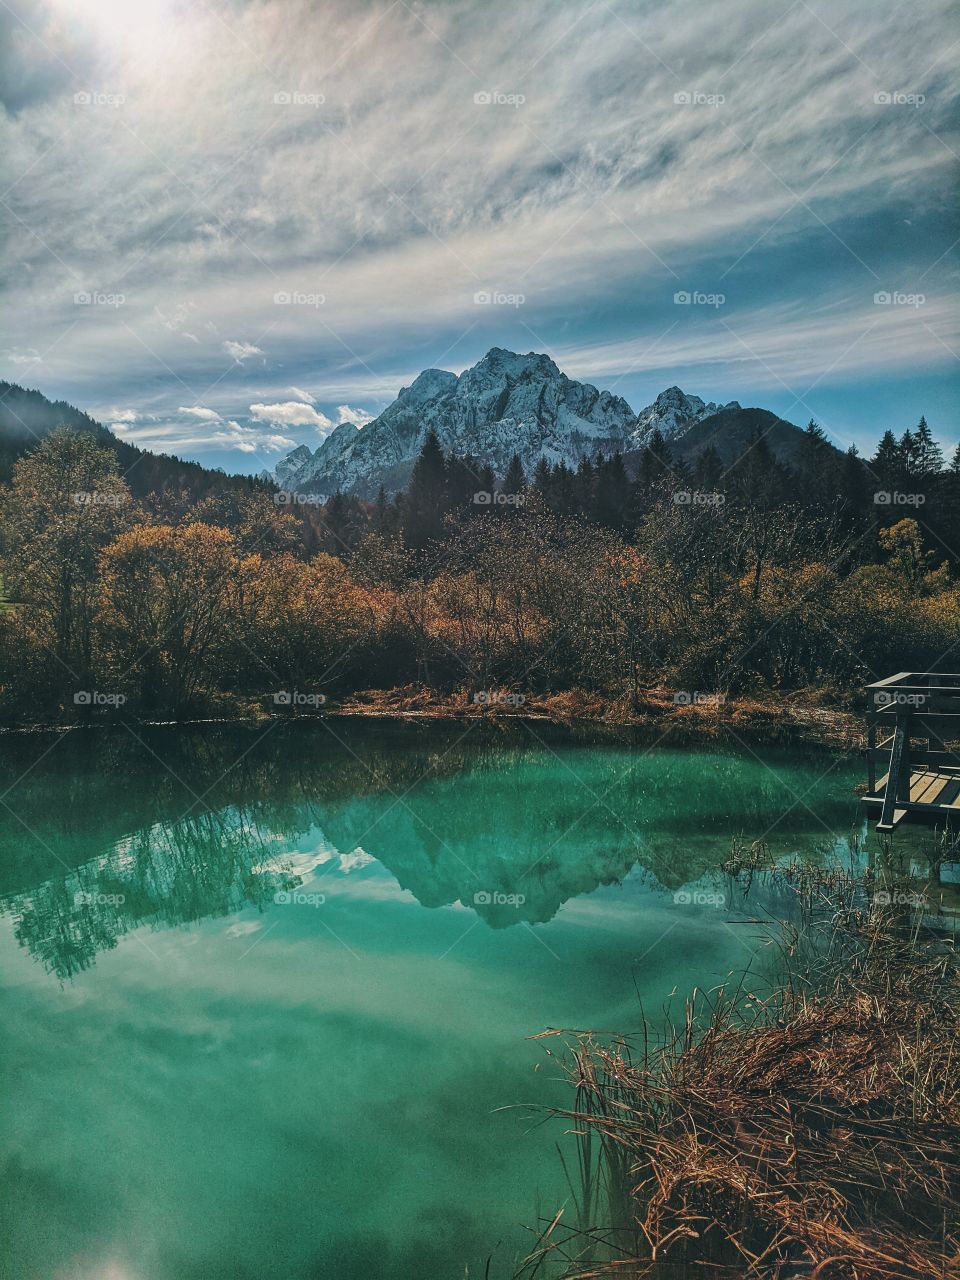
column 922, row 782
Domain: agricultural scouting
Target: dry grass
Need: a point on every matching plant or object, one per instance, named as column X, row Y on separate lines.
column 815, row 1132
column 770, row 721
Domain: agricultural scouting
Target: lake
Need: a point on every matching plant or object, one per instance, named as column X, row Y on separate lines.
column 268, row 992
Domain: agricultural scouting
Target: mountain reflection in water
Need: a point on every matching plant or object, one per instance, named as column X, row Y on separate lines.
column 110, row 831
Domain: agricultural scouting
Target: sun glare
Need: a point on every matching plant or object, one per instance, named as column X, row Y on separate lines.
column 133, row 25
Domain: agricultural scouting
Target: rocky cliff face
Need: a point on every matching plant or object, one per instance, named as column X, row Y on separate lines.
column 505, row 404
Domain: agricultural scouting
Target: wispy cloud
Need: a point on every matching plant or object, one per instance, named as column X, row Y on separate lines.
column 241, row 351
column 293, row 413
column 359, row 417
column 292, row 194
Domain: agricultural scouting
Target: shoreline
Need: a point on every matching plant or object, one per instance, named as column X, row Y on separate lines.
column 656, row 720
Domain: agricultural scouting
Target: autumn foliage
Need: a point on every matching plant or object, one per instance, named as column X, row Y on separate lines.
column 181, row 608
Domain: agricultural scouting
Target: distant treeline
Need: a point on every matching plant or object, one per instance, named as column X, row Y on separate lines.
column 734, row 579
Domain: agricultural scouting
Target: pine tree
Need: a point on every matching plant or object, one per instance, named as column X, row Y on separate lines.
column 380, row 511
column 514, row 482
column 425, row 502
column 486, row 482
column 909, row 452
column 462, row 481
column 656, row 461
column 708, row 470
column 564, row 490
column 612, row 494
column 887, row 463
column 543, row 481
column 855, row 486
column 929, row 455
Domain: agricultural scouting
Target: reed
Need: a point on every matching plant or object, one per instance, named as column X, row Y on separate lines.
column 808, row 1131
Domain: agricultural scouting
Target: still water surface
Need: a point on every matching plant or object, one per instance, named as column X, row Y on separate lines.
column 267, row 998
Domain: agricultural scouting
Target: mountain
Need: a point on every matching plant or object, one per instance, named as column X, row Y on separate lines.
column 27, row 416
column 731, row 432
column 505, row 404
column 673, row 413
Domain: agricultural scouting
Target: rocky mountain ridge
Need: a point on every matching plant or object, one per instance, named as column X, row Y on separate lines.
column 505, row 404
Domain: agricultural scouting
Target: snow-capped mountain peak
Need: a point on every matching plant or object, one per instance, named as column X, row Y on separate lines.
column 507, row 403
column 674, row 412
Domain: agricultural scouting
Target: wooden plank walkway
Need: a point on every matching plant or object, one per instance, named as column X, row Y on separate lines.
column 934, row 793
column 922, row 782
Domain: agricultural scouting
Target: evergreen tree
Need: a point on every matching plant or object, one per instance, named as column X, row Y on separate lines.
column 612, row 495
column 380, row 511
column 583, row 487
column 425, row 502
column 542, row 481
column 564, row 490
column 929, row 455
column 656, row 462
column 887, row 463
column 910, row 453
column 814, row 460
column 486, row 481
column 855, row 486
column 514, row 482
column 708, row 470
column 462, row 482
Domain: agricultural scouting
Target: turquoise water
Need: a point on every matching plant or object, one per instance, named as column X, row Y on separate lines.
column 267, row 997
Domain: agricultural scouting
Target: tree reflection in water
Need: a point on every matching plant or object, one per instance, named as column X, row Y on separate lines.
column 109, row 832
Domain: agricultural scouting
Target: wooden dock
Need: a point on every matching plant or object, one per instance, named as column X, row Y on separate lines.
column 921, row 782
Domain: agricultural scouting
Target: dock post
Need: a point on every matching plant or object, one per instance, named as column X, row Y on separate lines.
column 898, row 779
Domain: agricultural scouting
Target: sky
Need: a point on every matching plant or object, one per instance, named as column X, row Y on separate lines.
column 231, row 225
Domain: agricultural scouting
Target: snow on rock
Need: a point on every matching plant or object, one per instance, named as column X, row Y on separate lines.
column 505, row 404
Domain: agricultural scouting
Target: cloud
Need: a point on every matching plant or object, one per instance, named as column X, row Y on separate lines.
column 241, row 351
column 227, row 435
column 198, row 411
column 359, row 417
column 292, row 413
column 596, row 198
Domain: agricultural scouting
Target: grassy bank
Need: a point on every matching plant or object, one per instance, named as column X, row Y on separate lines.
column 812, row 1130
column 769, row 719
column 655, row 717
